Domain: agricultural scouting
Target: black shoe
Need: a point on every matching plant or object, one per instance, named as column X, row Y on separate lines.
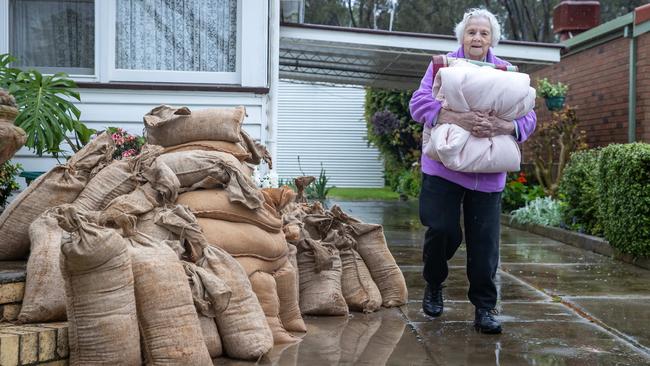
column 432, row 302
column 484, row 321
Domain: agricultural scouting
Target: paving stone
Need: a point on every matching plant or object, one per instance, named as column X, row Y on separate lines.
column 611, row 278
column 526, row 343
column 629, row 316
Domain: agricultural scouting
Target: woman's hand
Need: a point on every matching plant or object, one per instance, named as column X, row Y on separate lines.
column 489, row 125
column 466, row 120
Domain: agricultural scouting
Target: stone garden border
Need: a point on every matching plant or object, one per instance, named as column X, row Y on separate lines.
column 583, row 241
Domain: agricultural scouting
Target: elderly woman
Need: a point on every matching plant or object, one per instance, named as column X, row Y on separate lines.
column 444, row 191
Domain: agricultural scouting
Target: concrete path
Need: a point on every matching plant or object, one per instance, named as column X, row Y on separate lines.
column 559, row 306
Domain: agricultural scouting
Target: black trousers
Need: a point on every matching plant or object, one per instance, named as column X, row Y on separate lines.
column 440, row 211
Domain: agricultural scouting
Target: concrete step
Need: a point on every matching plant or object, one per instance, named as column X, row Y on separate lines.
column 34, row 344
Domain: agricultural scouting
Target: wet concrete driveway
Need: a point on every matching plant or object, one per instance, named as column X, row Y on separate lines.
column 559, row 306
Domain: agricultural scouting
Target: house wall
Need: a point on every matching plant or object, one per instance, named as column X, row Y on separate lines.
column 325, row 124
column 599, row 91
column 101, row 108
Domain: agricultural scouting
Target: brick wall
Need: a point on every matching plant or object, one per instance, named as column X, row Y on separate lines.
column 598, row 90
column 643, row 88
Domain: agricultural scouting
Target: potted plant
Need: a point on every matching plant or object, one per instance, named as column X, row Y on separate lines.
column 553, row 93
column 45, row 110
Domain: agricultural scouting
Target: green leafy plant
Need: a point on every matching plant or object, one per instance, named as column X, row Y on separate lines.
column 126, row 145
column 397, row 137
column 540, row 211
column 624, row 195
column 552, row 144
column 45, row 111
column 8, row 183
column 321, row 189
column 579, row 190
column 518, row 192
column 546, row 89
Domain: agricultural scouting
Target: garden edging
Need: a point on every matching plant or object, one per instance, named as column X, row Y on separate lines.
column 583, row 241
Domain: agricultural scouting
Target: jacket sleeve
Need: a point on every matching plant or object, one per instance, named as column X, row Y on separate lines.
column 423, row 106
column 526, row 126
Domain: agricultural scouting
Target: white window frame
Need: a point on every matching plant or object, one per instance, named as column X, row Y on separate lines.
column 252, row 50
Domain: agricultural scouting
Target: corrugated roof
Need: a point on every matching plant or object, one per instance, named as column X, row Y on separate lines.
column 341, row 55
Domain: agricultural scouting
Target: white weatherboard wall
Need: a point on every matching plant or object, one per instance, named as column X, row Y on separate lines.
column 325, row 124
column 125, row 108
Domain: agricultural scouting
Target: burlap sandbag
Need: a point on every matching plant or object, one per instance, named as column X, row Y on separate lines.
column 320, row 279
column 211, row 336
column 253, row 264
column 233, row 148
column 11, row 139
column 245, row 334
column 168, row 126
column 62, row 184
column 240, row 239
column 258, row 151
column 211, row 297
column 119, row 178
column 371, row 244
column 213, row 169
column 279, row 198
column 359, row 290
column 168, row 321
column 100, row 298
column 44, row 299
column 286, row 281
column 146, row 224
column 215, row 204
column 264, row 287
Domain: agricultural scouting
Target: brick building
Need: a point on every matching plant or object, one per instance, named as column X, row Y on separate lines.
column 596, row 65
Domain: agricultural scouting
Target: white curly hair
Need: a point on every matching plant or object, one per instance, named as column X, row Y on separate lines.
column 478, row 13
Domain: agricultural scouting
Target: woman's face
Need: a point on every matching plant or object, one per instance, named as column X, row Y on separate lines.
column 477, row 38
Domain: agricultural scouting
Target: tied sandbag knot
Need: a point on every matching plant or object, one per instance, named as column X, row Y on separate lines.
column 323, row 254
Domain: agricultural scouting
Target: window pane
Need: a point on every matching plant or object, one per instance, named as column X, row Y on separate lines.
column 178, row 35
column 53, row 35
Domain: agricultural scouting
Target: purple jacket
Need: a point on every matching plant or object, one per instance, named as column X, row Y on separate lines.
column 424, row 109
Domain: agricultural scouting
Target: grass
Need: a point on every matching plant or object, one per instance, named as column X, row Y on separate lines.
column 363, row 194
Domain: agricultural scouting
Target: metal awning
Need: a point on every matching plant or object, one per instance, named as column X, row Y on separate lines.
column 340, row 55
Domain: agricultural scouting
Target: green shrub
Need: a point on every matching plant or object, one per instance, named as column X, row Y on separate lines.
column 540, row 211
column 8, row 184
column 397, row 137
column 518, row 192
column 624, row 192
column 579, row 190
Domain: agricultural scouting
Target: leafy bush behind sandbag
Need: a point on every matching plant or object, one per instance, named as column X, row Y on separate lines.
column 624, row 174
column 579, row 190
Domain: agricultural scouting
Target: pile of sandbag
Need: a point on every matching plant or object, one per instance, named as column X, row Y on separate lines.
column 211, row 161
column 176, row 255
column 11, row 137
column 343, row 262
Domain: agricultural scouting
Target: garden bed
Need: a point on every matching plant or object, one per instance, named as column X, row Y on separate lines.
column 583, row 241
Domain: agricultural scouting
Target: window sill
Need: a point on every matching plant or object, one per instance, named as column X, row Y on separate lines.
column 173, row 87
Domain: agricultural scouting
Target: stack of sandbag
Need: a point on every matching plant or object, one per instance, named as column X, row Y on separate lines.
column 210, row 155
column 62, row 184
column 351, row 256
column 11, row 137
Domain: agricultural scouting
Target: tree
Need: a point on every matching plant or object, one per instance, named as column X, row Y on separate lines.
column 522, row 20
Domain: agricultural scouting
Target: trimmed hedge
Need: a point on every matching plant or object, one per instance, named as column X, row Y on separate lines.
column 579, row 190
column 624, row 191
